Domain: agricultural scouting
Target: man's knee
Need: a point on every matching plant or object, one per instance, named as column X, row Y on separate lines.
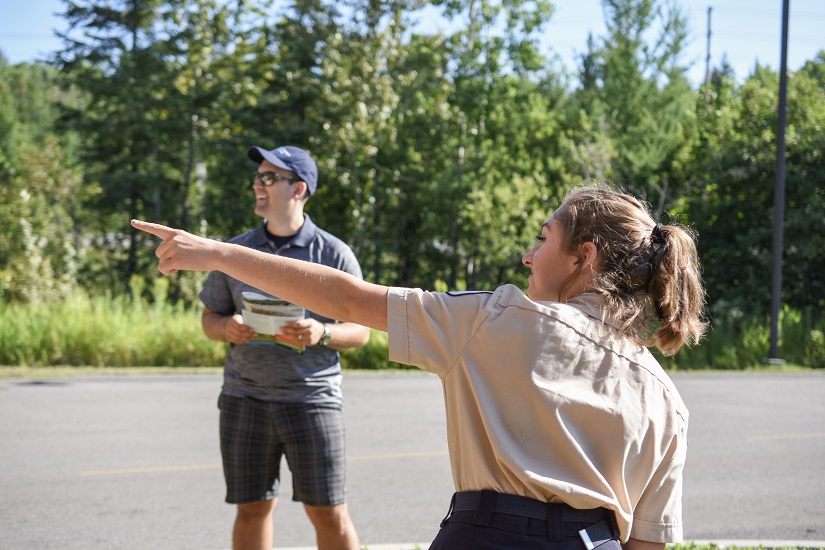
column 328, row 515
column 256, row 510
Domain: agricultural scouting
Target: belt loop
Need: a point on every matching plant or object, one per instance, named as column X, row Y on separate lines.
column 555, row 522
column 614, row 525
column 449, row 512
column 485, row 509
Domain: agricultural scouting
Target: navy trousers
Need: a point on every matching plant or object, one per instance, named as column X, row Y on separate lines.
column 486, row 520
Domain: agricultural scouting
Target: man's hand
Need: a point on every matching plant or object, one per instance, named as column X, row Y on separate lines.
column 307, row 331
column 180, row 250
column 226, row 328
column 236, row 332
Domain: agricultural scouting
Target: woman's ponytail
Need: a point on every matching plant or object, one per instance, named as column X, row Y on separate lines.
column 649, row 273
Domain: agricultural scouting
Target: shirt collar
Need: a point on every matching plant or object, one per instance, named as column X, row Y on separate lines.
column 302, row 239
column 592, row 304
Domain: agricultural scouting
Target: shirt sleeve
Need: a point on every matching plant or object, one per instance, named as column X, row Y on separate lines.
column 429, row 330
column 349, row 264
column 217, row 295
column 658, row 513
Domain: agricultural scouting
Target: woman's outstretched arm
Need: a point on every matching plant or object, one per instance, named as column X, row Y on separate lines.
column 316, row 287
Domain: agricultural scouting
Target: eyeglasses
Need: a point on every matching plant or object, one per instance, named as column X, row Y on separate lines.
column 269, row 178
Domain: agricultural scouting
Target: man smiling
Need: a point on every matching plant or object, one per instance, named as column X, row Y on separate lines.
column 278, row 401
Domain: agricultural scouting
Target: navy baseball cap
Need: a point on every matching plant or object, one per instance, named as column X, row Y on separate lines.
column 289, row 158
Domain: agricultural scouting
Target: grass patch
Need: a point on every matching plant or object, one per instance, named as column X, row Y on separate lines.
column 105, row 331
column 117, row 331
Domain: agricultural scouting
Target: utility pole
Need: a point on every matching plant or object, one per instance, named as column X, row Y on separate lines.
column 779, row 195
column 707, row 64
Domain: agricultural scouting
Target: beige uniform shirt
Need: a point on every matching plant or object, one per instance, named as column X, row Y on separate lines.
column 544, row 400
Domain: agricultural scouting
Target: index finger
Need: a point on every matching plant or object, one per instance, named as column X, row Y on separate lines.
column 156, row 229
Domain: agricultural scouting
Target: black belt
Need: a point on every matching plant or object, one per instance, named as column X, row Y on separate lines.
column 528, row 516
column 527, row 507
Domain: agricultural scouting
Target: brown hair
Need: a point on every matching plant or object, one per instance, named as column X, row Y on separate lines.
column 647, row 273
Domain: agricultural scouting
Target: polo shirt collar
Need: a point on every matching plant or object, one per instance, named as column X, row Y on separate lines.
column 302, row 239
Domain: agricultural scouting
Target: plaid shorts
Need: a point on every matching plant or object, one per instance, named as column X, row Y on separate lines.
column 256, row 434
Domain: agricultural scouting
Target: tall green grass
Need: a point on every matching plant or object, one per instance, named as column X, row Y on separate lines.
column 737, row 343
column 107, row 331
column 84, row 330
column 104, row 331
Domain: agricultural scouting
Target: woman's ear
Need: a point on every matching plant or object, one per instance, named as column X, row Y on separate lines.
column 588, row 255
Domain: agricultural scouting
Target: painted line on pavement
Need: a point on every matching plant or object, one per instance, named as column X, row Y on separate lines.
column 398, row 455
column 775, row 437
column 191, row 467
column 149, row 469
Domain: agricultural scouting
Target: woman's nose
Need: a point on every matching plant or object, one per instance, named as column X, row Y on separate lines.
column 527, row 259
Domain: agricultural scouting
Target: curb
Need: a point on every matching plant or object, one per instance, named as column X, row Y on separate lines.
column 766, row 544
column 719, row 543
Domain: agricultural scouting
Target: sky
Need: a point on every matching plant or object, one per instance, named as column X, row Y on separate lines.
column 746, row 31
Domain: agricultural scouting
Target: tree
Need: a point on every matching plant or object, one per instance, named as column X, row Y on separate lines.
column 278, row 76
column 494, row 193
column 635, row 91
column 155, row 74
column 39, row 189
column 803, row 287
column 734, row 165
column 110, row 55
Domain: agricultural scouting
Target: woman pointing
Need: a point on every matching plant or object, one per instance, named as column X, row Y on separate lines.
column 564, row 431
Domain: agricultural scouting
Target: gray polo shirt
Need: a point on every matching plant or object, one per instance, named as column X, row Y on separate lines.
column 546, row 400
column 269, row 371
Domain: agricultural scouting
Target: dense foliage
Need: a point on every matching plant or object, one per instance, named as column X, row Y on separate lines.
column 439, row 154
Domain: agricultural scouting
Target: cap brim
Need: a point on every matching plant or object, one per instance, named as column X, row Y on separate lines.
column 259, row 154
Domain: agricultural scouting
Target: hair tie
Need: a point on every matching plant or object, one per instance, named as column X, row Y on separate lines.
column 656, row 237
column 657, row 242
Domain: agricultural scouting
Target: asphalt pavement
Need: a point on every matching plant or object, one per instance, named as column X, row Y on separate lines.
column 132, row 462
